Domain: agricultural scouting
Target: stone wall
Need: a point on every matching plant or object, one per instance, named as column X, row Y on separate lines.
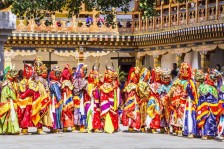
column 7, row 24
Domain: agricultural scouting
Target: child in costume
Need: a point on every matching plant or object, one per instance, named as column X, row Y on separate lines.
column 131, row 114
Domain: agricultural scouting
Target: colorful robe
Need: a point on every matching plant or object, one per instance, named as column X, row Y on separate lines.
column 8, row 116
column 68, row 109
column 164, row 117
column 190, row 100
column 80, row 98
column 221, row 112
column 109, row 102
column 56, row 104
column 93, row 107
column 131, row 114
column 45, row 101
column 29, row 104
column 153, row 107
column 207, row 110
column 144, row 92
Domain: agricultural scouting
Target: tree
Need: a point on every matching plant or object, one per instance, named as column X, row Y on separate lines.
column 38, row 9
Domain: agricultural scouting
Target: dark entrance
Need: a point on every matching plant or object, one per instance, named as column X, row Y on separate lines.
column 125, row 63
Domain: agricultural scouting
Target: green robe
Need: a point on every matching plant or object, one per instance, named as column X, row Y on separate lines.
column 9, row 120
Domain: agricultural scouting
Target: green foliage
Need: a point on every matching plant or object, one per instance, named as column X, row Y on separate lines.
column 5, row 3
column 38, row 9
column 147, row 8
column 121, row 74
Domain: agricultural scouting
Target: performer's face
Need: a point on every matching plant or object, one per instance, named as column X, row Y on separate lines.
column 58, row 74
column 166, row 77
column 28, row 72
column 185, row 71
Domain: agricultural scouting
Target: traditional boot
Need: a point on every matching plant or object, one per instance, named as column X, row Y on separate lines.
column 82, row 129
column 180, row 133
column 24, row 131
column 97, row 131
column 162, row 130
column 130, row 129
column 40, row 131
column 73, row 129
column 190, row 136
column 65, row 129
column 154, row 131
column 204, row 138
column 143, row 129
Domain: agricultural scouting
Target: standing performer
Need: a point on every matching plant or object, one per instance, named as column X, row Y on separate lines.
column 80, row 97
column 40, row 78
column 8, row 104
column 144, row 92
column 93, row 104
column 199, row 78
column 154, row 103
column 56, row 99
column 109, row 100
column 207, row 108
column 163, row 91
column 68, row 109
column 221, row 108
column 29, row 105
column 189, row 101
column 131, row 114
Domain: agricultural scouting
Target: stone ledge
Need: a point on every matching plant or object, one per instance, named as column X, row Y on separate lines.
column 7, row 21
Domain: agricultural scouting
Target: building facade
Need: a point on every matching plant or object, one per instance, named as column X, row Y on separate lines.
column 191, row 31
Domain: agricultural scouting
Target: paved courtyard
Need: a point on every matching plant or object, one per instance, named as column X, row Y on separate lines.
column 118, row 140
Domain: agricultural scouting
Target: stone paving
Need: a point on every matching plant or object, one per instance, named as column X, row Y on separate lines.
column 122, row 139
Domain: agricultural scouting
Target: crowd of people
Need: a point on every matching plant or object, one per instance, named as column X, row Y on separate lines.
column 192, row 105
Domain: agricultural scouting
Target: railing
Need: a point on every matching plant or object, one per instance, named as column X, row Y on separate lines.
column 178, row 18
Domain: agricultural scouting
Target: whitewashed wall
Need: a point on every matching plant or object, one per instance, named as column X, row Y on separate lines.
column 62, row 61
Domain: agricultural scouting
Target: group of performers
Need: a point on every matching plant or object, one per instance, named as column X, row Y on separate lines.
column 192, row 105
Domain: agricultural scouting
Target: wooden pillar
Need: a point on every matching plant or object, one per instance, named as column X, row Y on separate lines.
column 161, row 15
column 196, row 11
column 169, row 14
column 94, row 17
column 206, row 10
column 178, row 13
column 205, row 60
column 138, row 61
column 133, row 22
column 74, row 25
column 187, row 12
column 140, row 21
column 157, row 60
column 153, row 23
column 81, row 56
column 180, row 59
column 217, row 10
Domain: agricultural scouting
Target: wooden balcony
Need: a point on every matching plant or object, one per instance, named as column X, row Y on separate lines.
column 171, row 18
